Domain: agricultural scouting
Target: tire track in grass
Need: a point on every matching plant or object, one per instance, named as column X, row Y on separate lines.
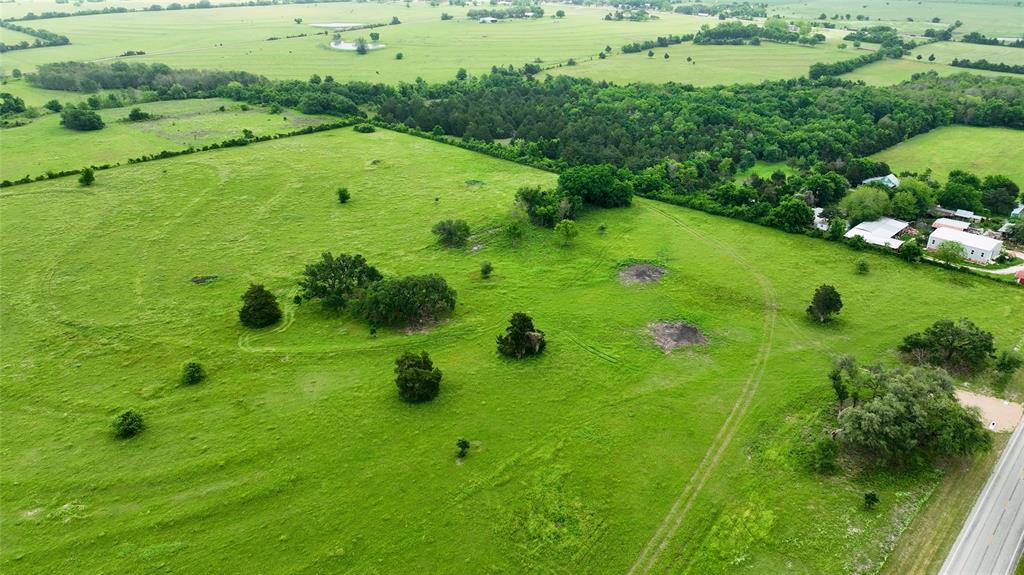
column 666, row 530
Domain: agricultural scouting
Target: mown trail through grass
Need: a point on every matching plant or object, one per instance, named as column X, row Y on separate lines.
column 668, row 527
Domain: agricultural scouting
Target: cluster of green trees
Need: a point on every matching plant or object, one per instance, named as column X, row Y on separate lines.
column 984, row 64
column 995, row 194
column 774, row 29
column 742, row 10
column 600, row 185
column 873, row 34
column 11, row 104
column 43, row 38
column 80, row 118
column 903, row 416
column 845, row 66
column 506, row 12
column 168, row 83
column 960, row 347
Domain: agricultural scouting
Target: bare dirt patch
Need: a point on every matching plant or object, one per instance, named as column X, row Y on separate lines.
column 640, row 274
column 997, row 414
column 669, row 335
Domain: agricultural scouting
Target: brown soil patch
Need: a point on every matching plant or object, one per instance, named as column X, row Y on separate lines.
column 669, row 335
column 640, row 274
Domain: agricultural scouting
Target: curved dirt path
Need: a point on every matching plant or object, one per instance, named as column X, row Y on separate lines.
column 666, row 531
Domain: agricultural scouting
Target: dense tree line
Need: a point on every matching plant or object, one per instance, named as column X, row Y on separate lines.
column 43, row 38
column 873, row 34
column 984, row 64
column 659, row 42
column 844, row 66
column 507, row 12
column 167, row 82
column 733, row 9
column 774, row 29
column 979, row 38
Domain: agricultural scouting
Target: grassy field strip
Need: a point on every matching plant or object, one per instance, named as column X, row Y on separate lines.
column 668, row 527
column 923, row 547
column 984, row 151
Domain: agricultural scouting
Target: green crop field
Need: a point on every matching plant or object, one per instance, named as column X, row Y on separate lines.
column 889, row 72
column 981, row 150
column 44, row 145
column 236, row 39
column 709, row 64
column 296, row 455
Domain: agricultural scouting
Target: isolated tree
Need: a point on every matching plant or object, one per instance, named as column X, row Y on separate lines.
column 343, row 195
column 566, row 231
column 335, row 280
column 862, row 266
column 128, row 424
column 259, row 307
column 192, row 373
column 451, row 233
column 485, row 269
column 395, row 20
column 825, row 303
column 463, row 446
column 559, row 13
column 950, row 252
column 461, row 74
column 137, row 115
column 956, row 346
column 362, row 46
column 666, row 55
column 870, row 500
column 374, row 36
column 839, row 386
column 298, row 20
column 53, row 106
column 399, row 56
column 650, row 53
column 416, row 377
column 86, row 177
column 521, row 337
column 931, row 58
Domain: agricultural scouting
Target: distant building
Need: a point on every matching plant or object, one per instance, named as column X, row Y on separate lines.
column 889, row 181
column 820, row 222
column 967, row 215
column 793, row 28
column 488, row 20
column 528, row 14
column 976, row 248
column 951, row 224
column 881, row 232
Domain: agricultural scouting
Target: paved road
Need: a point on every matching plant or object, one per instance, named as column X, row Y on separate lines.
column 993, row 536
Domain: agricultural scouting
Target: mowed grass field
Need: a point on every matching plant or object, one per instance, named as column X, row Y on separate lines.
column 990, row 17
column 709, row 65
column 888, row 71
column 236, row 39
column 296, row 456
column 984, row 151
column 44, row 145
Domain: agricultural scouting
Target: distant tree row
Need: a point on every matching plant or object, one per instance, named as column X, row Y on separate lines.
column 979, row 38
column 43, row 38
column 983, row 64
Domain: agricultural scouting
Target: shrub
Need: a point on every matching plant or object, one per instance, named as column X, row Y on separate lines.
column 862, row 266
column 858, row 243
column 399, row 56
column 463, row 445
column 87, row 177
column 53, row 106
column 128, row 424
column 566, row 231
column 521, row 337
column 408, row 300
column 192, row 373
column 260, row 308
column 365, row 128
column 343, row 195
column 824, row 456
column 485, row 270
column 137, row 115
column 80, row 119
column 870, row 500
column 451, row 233
column 911, row 251
column 416, row 377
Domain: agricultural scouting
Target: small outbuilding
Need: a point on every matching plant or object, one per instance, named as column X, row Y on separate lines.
column 488, row 20
column 881, row 232
column 976, row 248
column 951, row 224
column 889, row 181
column 967, row 216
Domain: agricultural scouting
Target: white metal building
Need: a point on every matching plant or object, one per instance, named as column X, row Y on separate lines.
column 976, row 248
column 881, row 232
column 950, row 223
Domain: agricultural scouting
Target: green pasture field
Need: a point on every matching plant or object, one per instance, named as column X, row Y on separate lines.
column 296, row 456
column 33, row 96
column 710, row 65
column 889, row 72
column 984, row 151
column 945, row 52
column 8, row 36
column 999, row 18
column 45, row 145
column 236, row 39
column 19, row 8
column 764, row 170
